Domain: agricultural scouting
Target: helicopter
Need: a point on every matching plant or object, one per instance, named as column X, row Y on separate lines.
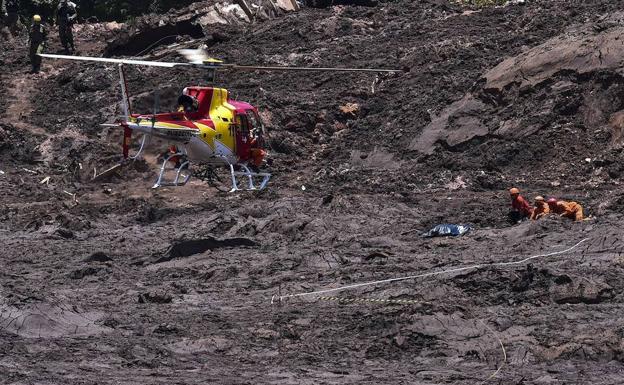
column 208, row 128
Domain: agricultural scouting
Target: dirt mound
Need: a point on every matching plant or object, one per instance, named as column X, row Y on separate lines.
column 582, row 50
column 551, row 74
column 48, row 320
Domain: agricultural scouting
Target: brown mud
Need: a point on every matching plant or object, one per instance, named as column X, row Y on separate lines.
column 111, row 282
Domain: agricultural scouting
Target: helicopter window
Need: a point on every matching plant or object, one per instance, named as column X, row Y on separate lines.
column 256, row 126
column 254, row 120
column 243, row 123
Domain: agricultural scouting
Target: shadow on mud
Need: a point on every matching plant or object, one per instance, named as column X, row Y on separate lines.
column 186, row 248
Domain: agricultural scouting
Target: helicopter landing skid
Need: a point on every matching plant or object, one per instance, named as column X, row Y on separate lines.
column 246, row 172
column 182, row 173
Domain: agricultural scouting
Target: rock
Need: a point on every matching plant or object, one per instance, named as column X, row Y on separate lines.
column 350, row 110
column 399, row 340
column 155, row 297
column 266, row 333
column 98, row 257
column 457, row 124
column 65, row 233
column 327, row 199
column 166, row 329
column 579, row 290
column 90, row 81
column 84, row 272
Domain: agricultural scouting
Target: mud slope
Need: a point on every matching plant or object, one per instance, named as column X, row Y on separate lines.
column 115, row 283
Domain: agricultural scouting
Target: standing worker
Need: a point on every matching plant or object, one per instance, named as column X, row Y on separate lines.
column 520, row 208
column 4, row 19
column 66, row 15
column 565, row 209
column 37, row 38
column 10, row 16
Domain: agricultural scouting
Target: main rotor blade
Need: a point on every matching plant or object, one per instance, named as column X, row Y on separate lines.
column 309, row 69
column 118, row 61
column 199, row 57
column 213, row 64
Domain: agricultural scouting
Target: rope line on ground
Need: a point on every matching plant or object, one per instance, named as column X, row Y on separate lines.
column 500, row 342
column 373, row 300
column 424, row 275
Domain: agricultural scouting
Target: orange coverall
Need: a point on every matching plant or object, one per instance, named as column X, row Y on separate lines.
column 570, row 210
column 539, row 211
column 257, row 155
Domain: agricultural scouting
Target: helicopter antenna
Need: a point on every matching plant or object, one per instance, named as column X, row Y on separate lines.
column 156, row 101
column 211, row 76
column 156, row 106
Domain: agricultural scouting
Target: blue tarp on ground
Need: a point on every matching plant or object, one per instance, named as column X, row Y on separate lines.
column 447, row 229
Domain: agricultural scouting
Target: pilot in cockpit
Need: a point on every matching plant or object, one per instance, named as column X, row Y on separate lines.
column 187, row 104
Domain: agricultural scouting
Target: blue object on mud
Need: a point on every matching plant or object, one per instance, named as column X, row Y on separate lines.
column 447, row 229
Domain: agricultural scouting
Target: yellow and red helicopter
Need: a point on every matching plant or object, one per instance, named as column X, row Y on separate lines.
column 208, row 128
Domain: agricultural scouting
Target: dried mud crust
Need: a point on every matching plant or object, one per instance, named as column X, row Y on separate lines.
column 112, row 282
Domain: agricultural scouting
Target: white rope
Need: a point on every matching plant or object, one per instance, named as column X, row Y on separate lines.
column 500, row 342
column 430, row 274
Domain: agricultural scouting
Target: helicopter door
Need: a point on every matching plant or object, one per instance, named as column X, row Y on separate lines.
column 243, row 137
column 256, row 129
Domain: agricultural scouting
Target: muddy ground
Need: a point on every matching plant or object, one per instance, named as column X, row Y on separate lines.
column 111, row 282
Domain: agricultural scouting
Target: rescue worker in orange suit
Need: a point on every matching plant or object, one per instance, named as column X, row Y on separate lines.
column 520, row 208
column 565, row 209
column 257, row 153
column 541, row 208
column 171, row 156
column 257, row 156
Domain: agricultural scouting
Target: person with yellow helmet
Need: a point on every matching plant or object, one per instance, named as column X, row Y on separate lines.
column 520, row 208
column 37, row 39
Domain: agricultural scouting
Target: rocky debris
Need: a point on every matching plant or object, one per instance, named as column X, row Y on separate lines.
column 328, row 3
column 198, row 21
column 150, row 34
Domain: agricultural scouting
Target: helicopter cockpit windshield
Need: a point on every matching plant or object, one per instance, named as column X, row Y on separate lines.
column 256, row 128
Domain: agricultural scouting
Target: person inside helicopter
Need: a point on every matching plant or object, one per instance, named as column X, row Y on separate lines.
column 187, row 104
